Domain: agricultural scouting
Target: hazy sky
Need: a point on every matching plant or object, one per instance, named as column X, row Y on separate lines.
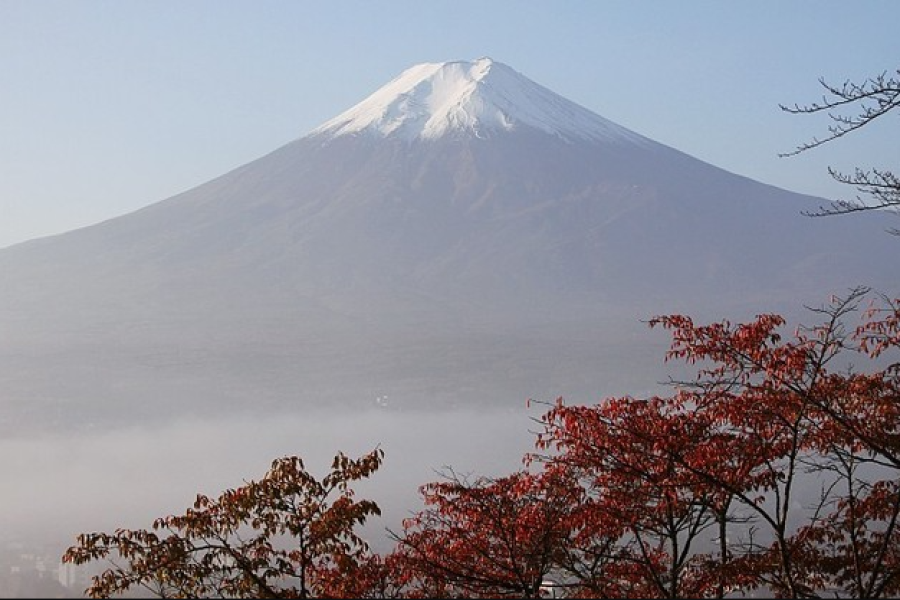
column 107, row 106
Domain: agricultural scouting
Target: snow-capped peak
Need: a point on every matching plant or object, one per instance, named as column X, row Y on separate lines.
column 431, row 100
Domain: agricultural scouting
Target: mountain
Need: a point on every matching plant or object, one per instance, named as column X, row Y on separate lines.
column 479, row 99
column 462, row 235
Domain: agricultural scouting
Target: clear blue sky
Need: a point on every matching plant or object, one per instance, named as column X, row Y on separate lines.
column 107, row 106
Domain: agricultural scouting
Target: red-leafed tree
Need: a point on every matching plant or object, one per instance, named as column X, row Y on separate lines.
column 840, row 427
column 625, row 454
column 369, row 576
column 757, row 390
column 490, row 538
column 281, row 536
column 764, row 417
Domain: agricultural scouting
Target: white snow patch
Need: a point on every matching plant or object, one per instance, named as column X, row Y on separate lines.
column 431, row 100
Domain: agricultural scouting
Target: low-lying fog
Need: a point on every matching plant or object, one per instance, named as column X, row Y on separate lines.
column 57, row 486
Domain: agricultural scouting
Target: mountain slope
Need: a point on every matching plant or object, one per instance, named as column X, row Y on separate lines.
column 460, row 207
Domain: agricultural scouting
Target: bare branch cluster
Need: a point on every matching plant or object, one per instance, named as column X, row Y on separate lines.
column 867, row 100
column 851, row 106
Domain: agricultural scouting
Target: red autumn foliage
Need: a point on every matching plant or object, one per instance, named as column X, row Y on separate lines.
column 276, row 537
column 491, row 537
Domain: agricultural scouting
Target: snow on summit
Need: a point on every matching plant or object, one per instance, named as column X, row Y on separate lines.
column 431, row 100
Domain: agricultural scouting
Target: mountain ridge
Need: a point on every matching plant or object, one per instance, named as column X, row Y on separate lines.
column 480, row 97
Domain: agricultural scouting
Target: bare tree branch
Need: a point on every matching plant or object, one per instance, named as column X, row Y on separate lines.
column 850, row 107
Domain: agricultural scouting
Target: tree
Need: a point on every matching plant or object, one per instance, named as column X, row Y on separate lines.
column 624, row 452
column 281, row 536
column 489, row 538
column 767, row 416
column 851, row 106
